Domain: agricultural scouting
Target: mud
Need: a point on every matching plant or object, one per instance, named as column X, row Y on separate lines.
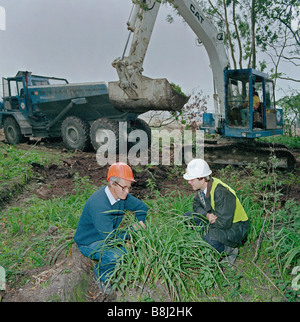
column 58, row 180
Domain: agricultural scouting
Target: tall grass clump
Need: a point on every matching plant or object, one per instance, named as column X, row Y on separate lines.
column 169, row 254
column 274, row 221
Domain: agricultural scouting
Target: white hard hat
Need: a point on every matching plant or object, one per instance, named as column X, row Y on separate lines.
column 197, row 168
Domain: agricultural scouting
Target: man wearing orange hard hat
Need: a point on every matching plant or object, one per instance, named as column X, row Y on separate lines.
column 102, row 214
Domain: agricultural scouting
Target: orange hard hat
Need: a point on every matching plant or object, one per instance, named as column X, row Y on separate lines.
column 120, row 170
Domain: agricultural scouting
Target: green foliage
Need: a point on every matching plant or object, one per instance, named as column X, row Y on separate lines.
column 170, row 253
column 177, row 89
column 16, row 167
column 287, row 238
column 274, row 228
column 291, row 113
column 291, row 142
column 15, row 163
column 257, row 27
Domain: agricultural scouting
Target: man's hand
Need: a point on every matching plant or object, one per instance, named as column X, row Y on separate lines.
column 211, row 218
column 136, row 227
column 139, row 225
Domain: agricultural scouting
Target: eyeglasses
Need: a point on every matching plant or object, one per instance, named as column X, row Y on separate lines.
column 123, row 188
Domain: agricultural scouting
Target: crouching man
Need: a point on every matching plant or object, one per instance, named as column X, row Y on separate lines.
column 216, row 203
column 97, row 235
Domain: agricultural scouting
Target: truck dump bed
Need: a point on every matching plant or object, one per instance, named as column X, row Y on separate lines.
column 52, row 99
column 104, row 103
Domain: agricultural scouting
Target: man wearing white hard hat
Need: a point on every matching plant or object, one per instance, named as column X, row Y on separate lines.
column 216, row 203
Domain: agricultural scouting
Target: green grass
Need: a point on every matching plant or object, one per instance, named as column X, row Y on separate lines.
column 168, row 256
column 16, row 167
column 169, row 252
column 24, row 241
column 292, row 142
column 16, row 162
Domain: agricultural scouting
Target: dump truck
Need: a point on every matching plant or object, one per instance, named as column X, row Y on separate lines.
column 37, row 106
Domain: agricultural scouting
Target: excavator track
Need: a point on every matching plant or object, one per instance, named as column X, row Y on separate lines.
column 241, row 153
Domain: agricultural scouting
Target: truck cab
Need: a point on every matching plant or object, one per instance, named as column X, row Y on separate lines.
column 21, row 118
column 14, row 94
column 14, row 109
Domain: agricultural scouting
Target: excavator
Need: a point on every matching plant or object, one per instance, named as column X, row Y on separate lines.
column 244, row 99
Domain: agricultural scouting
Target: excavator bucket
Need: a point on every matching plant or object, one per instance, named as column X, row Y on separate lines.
column 152, row 94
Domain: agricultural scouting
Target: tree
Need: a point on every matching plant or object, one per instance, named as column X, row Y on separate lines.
column 286, row 48
column 291, row 113
column 272, row 27
column 262, row 34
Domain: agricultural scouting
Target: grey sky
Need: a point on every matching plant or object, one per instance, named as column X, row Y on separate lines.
column 79, row 40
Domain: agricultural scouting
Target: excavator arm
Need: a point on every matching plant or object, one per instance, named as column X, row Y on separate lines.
column 139, row 93
column 134, row 92
column 213, row 41
column 141, row 23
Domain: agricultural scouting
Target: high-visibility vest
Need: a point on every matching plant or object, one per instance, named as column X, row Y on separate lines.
column 239, row 213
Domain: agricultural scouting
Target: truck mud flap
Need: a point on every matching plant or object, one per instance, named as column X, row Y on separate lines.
column 25, row 127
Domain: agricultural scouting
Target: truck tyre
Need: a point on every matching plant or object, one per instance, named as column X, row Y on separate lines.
column 75, row 133
column 139, row 124
column 105, row 132
column 12, row 131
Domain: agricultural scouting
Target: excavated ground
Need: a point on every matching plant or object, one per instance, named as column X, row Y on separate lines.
column 59, row 280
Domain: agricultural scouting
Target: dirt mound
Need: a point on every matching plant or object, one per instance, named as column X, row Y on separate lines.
column 55, row 283
column 58, row 180
column 70, row 279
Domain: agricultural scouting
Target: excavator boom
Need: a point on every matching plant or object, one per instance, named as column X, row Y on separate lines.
column 135, row 92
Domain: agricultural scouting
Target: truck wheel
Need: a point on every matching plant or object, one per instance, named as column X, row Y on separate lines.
column 75, row 133
column 12, row 131
column 139, row 124
column 105, row 132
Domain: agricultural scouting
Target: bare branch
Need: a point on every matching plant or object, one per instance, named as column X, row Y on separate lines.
column 289, row 79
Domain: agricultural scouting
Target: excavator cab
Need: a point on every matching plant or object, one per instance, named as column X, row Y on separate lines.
column 250, row 105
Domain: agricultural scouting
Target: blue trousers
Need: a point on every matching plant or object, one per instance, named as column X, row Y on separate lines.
column 198, row 220
column 107, row 257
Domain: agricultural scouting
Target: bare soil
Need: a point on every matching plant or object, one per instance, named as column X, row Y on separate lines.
column 58, row 179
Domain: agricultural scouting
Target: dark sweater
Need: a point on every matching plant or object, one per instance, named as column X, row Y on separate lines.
column 99, row 218
column 223, row 230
